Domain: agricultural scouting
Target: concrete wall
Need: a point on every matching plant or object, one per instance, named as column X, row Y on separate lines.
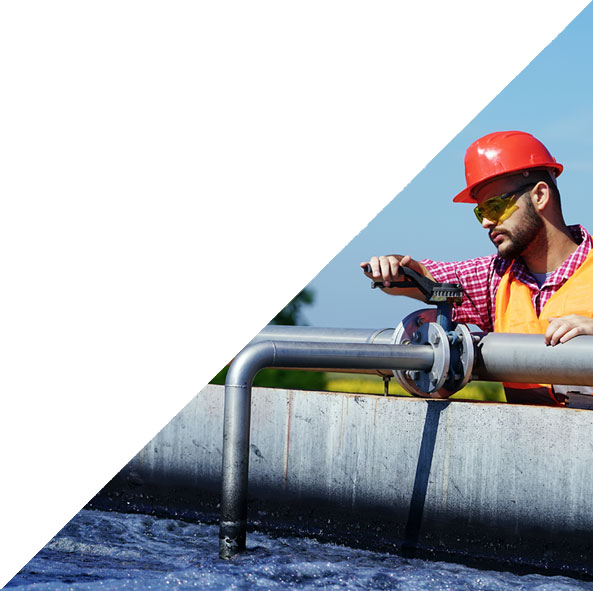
column 513, row 483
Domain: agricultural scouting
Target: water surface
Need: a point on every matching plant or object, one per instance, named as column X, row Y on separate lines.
column 111, row 551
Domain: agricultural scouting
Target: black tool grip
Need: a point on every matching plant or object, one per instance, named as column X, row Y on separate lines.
column 414, row 279
column 433, row 292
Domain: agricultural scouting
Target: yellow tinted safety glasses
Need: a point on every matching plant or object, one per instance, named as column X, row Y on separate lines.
column 499, row 208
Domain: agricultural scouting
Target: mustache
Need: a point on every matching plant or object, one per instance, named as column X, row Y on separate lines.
column 496, row 232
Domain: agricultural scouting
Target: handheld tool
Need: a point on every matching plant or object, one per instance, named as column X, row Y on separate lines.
column 451, row 342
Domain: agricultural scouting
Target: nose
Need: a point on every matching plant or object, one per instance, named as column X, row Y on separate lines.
column 488, row 224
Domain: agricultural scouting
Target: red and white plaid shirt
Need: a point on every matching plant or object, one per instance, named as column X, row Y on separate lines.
column 480, row 279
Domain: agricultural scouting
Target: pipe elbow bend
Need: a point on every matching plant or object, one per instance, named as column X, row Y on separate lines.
column 250, row 360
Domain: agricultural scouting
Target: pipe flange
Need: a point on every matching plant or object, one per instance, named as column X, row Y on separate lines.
column 403, row 335
column 467, row 356
column 420, row 328
column 432, row 382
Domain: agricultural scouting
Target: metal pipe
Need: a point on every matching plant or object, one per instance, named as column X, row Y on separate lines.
column 382, row 336
column 237, row 408
column 500, row 356
column 315, row 334
column 508, row 357
column 526, row 358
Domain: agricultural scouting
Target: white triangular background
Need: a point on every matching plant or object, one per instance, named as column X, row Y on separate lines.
column 172, row 174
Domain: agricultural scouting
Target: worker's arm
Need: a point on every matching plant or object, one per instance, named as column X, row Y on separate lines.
column 385, row 269
column 564, row 328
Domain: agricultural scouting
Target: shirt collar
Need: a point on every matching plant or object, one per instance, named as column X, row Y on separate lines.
column 567, row 268
column 570, row 265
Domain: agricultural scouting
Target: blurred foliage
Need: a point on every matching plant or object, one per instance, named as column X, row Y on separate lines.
column 374, row 384
column 290, row 379
column 292, row 313
column 488, row 391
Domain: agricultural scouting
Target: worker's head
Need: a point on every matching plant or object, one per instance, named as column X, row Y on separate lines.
column 511, row 177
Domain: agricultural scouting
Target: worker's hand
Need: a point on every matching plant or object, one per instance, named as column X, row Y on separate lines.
column 385, row 268
column 564, row 328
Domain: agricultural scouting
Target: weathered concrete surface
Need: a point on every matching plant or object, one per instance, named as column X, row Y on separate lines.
column 514, row 482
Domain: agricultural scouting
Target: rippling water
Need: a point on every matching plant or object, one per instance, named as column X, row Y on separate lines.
column 112, row 551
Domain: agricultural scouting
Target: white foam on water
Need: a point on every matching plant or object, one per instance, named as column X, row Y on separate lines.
column 115, row 551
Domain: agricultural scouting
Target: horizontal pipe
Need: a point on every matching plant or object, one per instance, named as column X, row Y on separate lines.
column 315, row 334
column 381, row 336
column 371, row 372
column 499, row 356
column 354, row 355
column 526, row 358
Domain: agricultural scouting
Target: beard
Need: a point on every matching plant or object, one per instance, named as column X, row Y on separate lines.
column 523, row 237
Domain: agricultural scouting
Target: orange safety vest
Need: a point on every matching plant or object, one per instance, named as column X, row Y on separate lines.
column 515, row 313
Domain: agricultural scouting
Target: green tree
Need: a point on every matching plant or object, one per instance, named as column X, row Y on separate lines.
column 291, row 314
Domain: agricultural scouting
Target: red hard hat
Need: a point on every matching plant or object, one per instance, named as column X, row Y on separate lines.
column 500, row 153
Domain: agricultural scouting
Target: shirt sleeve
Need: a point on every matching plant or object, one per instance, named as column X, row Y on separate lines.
column 479, row 280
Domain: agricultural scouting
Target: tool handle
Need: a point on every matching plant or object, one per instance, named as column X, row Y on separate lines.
column 433, row 292
column 414, row 280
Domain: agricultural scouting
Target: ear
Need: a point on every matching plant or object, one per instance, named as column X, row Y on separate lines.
column 541, row 196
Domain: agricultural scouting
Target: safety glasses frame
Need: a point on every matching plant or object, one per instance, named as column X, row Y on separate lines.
column 494, row 208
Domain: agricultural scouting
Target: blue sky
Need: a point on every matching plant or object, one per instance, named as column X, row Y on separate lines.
column 552, row 99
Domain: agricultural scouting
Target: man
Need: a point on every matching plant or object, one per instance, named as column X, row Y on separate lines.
column 540, row 279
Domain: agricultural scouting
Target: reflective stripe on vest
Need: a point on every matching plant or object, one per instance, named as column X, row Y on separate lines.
column 515, row 312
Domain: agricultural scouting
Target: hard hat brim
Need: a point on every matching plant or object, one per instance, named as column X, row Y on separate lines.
column 466, row 195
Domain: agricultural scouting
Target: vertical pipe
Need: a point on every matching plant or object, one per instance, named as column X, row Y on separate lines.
column 237, row 409
column 235, row 447
column 237, row 422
